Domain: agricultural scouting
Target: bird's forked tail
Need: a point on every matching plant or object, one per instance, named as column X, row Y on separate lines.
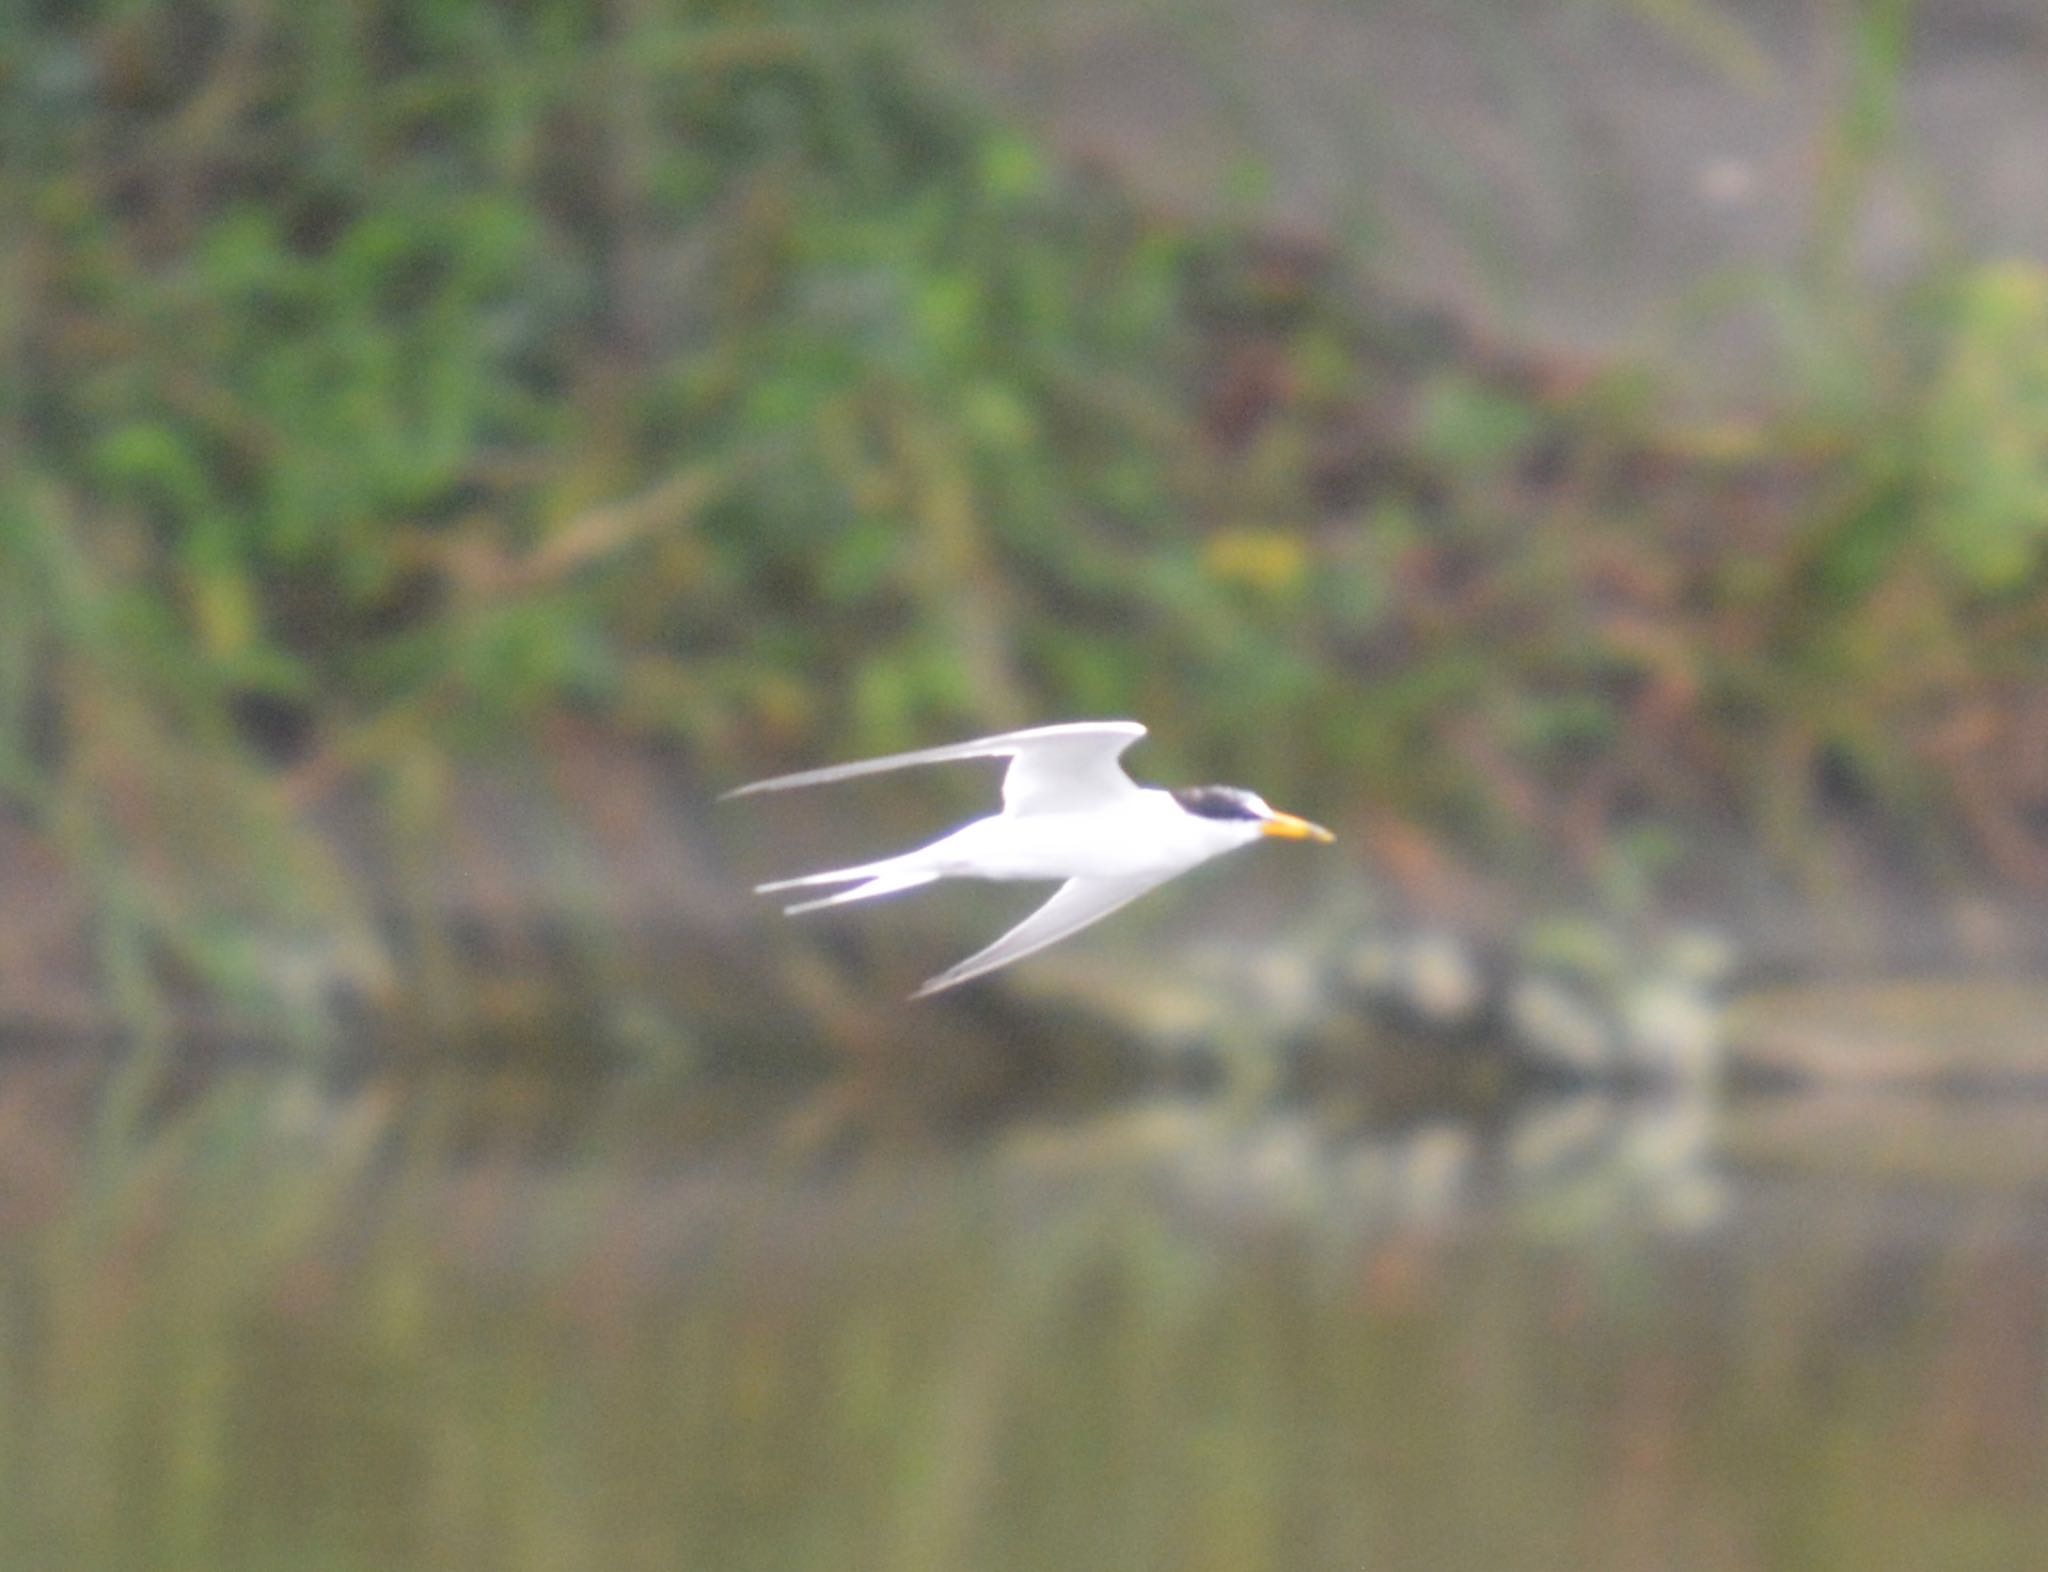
column 869, row 880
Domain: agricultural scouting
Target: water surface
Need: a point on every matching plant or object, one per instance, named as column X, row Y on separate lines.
column 293, row 1330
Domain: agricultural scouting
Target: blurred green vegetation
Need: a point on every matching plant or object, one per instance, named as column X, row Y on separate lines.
column 384, row 385
column 392, row 392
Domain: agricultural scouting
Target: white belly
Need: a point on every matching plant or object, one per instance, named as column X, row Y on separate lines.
column 1145, row 834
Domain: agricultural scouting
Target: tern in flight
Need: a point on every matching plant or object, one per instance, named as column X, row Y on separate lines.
column 1069, row 813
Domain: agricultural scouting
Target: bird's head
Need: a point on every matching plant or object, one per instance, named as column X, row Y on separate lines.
column 1234, row 805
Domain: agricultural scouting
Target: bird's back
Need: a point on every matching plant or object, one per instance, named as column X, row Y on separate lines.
column 1144, row 834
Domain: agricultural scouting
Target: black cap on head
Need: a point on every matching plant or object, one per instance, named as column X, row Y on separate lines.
column 1221, row 802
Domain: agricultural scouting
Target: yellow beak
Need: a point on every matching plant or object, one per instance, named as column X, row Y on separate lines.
column 1288, row 828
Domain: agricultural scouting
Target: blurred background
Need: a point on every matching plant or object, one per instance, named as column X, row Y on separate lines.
column 1593, row 454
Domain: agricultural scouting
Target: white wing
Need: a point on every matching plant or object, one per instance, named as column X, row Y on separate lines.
column 1074, row 905
column 1051, row 767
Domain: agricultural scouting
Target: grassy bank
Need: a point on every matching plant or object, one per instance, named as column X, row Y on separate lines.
column 389, row 395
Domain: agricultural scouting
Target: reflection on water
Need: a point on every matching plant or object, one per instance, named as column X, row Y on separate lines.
column 292, row 1332
column 1562, row 1165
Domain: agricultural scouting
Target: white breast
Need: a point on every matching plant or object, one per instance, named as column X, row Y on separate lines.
column 1146, row 833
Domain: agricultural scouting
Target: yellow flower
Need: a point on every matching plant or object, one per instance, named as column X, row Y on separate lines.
column 1271, row 561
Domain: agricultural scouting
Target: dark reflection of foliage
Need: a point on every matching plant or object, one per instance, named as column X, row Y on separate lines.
column 287, row 1331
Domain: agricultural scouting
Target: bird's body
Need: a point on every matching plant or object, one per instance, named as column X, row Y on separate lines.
column 1144, row 834
column 1069, row 813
